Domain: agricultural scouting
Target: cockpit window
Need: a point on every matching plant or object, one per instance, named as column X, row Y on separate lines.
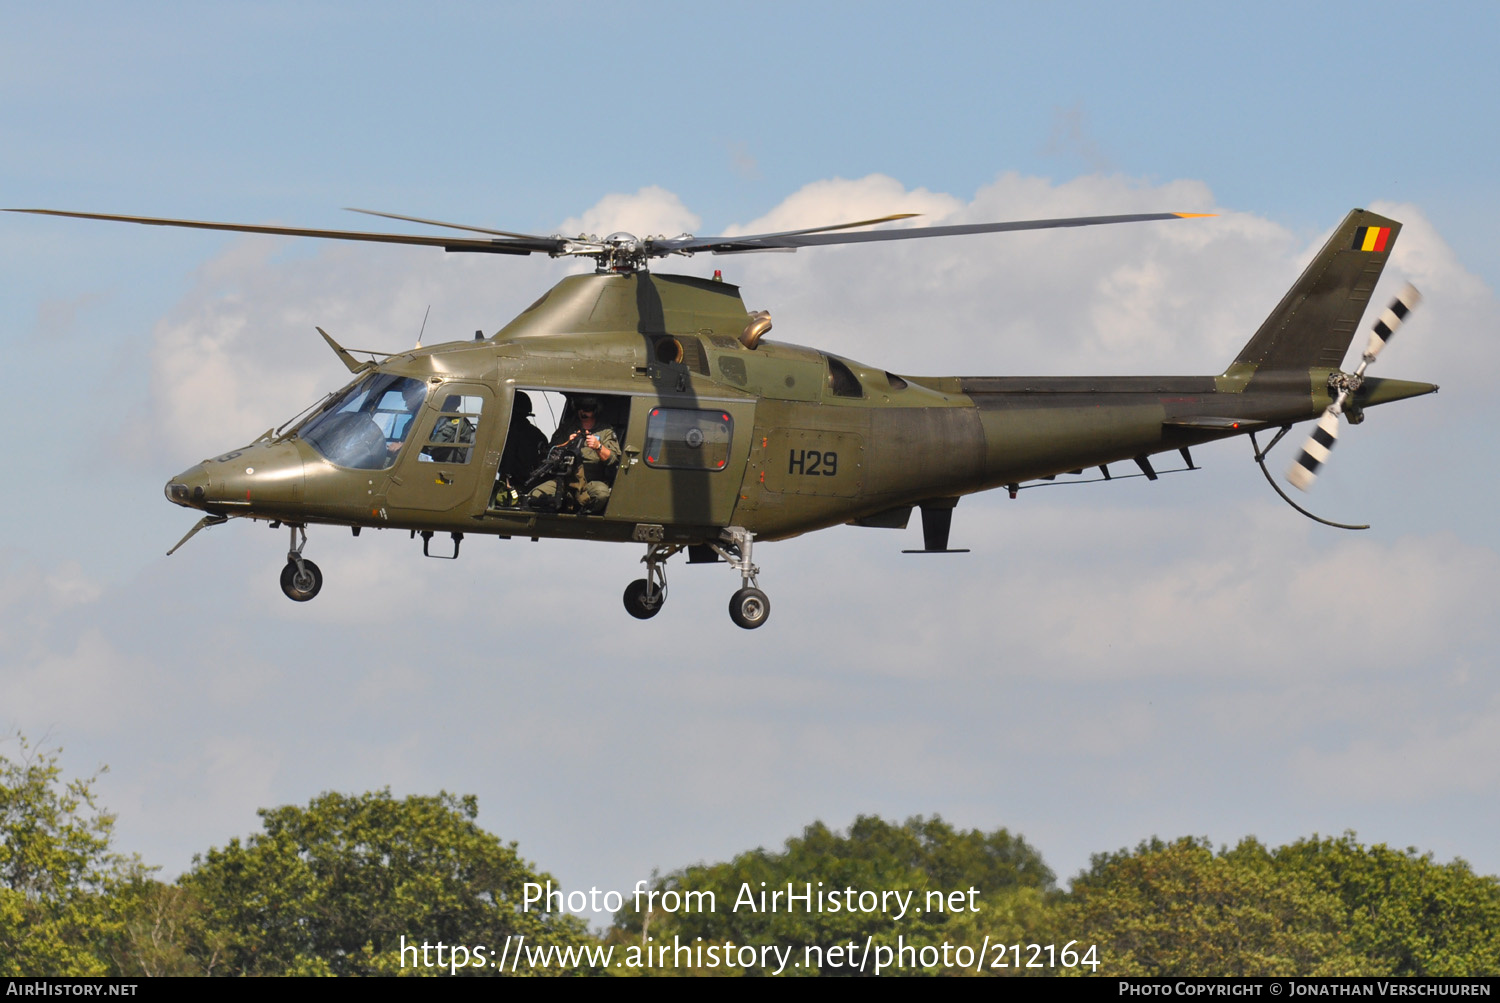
column 365, row 427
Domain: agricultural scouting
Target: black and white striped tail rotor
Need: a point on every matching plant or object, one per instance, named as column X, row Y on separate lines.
column 1315, row 451
column 1386, row 324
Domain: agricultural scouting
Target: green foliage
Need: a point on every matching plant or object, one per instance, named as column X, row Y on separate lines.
column 162, row 930
column 1315, row 907
column 333, row 887
column 1405, row 914
column 921, row 856
column 1181, row 909
column 55, row 868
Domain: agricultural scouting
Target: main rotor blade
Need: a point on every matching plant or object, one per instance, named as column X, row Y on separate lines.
column 813, row 238
column 450, row 226
column 521, row 245
column 529, row 236
column 836, row 226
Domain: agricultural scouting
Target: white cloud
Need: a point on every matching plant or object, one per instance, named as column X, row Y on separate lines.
column 1176, row 296
column 825, row 203
column 1451, row 332
column 648, row 212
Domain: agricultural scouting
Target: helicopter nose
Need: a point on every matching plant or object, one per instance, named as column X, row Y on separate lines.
column 250, row 479
column 189, row 488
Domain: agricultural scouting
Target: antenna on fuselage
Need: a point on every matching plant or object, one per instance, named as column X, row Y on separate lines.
column 423, row 330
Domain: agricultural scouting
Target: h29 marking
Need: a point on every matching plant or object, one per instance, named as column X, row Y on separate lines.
column 811, row 462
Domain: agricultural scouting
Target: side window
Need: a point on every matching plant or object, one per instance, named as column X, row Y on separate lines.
column 456, row 429
column 691, row 440
column 841, row 379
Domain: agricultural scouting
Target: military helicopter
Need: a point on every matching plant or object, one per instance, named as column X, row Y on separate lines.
column 684, row 428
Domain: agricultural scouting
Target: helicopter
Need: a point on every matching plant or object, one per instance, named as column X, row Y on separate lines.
column 683, row 428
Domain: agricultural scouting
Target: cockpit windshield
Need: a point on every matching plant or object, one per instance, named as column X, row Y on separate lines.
column 365, row 426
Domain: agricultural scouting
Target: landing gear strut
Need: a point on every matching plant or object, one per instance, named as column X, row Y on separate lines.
column 300, row 579
column 749, row 607
column 644, row 596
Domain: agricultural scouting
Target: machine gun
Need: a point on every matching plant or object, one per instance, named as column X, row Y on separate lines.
column 563, row 462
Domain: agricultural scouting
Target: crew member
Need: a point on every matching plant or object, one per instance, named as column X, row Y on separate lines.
column 600, row 455
column 525, row 448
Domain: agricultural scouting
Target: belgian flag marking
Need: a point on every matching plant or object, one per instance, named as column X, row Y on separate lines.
column 1371, row 238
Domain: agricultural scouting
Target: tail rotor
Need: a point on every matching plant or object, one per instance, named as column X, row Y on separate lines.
column 1304, row 470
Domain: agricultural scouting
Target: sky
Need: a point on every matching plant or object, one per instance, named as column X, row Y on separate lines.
column 1109, row 663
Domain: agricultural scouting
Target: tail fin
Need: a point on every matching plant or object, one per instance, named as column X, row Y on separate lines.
column 1312, row 326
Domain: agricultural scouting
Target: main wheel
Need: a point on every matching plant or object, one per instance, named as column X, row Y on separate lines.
column 749, row 608
column 300, row 586
column 638, row 605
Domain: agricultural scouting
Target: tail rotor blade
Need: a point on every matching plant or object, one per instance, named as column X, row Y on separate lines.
column 1315, row 451
column 1387, row 323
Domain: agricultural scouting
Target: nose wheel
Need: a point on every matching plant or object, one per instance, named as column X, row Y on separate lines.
column 644, row 597
column 301, row 579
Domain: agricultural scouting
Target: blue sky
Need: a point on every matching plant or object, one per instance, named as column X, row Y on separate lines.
column 1051, row 682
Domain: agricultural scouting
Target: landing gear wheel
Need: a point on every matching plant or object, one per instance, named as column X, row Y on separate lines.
column 300, row 586
column 638, row 605
column 749, row 608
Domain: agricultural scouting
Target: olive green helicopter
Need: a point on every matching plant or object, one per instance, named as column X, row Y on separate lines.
column 678, row 425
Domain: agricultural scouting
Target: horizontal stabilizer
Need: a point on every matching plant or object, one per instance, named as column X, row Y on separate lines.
column 1214, row 422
